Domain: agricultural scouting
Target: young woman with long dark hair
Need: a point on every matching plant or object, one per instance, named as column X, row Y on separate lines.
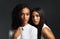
column 38, row 20
column 20, row 26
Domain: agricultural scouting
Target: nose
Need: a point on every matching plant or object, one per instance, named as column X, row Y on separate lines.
column 35, row 18
column 24, row 16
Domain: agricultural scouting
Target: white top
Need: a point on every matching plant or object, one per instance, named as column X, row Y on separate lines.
column 28, row 32
column 42, row 28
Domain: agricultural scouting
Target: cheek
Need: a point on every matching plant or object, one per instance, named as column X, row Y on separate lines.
column 22, row 17
column 38, row 19
column 28, row 17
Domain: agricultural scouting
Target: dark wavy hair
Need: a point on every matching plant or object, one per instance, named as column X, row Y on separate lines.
column 16, row 15
column 42, row 20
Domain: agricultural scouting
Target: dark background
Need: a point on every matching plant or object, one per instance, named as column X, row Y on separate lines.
column 51, row 9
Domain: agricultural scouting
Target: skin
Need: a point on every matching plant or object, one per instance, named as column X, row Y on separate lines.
column 35, row 18
column 47, row 33
column 25, row 18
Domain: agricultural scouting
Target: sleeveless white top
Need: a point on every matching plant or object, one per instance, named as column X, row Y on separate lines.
column 28, row 32
column 42, row 28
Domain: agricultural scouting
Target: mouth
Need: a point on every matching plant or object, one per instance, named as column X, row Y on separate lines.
column 25, row 20
column 35, row 21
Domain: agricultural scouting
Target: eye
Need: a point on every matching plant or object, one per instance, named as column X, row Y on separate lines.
column 37, row 15
column 27, row 14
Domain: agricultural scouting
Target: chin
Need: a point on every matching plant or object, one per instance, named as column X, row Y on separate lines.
column 36, row 24
column 25, row 22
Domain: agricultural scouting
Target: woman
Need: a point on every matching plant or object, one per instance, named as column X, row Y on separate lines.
column 38, row 20
column 23, row 30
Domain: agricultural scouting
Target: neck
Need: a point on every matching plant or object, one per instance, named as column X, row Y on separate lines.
column 24, row 24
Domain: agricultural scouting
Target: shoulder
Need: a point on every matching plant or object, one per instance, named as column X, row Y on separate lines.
column 32, row 27
column 45, row 26
column 11, row 32
column 34, row 30
column 47, row 32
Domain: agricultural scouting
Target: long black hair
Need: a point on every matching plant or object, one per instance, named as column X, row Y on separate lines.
column 16, row 15
column 42, row 20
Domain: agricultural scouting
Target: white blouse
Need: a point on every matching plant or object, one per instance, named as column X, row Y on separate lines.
column 28, row 32
column 42, row 28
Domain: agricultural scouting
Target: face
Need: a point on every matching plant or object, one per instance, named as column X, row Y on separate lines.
column 25, row 15
column 35, row 17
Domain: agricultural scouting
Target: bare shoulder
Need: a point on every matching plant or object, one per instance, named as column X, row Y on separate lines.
column 47, row 33
column 46, row 30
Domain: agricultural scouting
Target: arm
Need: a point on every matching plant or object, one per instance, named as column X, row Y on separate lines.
column 47, row 33
column 16, row 33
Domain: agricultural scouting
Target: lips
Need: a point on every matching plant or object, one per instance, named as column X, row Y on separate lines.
column 25, row 20
column 35, row 21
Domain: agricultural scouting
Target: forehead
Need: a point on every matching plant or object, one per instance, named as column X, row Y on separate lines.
column 25, row 10
column 35, row 13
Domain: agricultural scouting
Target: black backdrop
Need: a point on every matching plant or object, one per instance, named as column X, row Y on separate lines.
column 51, row 9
